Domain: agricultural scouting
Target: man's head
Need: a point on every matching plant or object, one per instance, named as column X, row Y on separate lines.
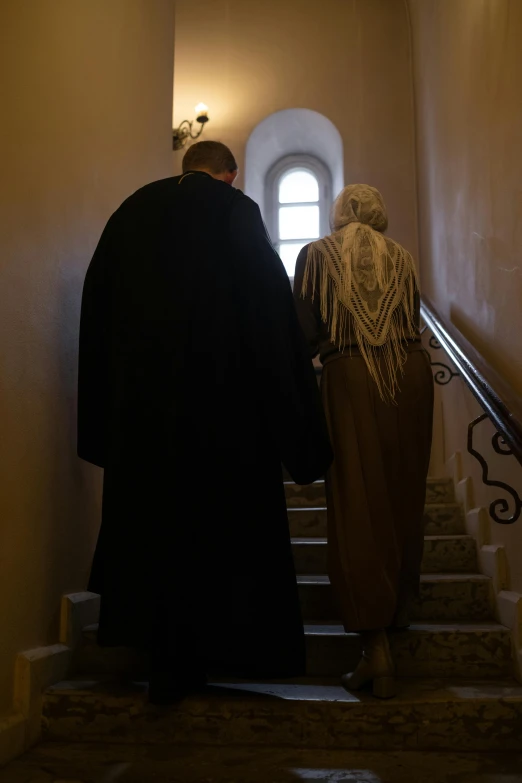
column 212, row 157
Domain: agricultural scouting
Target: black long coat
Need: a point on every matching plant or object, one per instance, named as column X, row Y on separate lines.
column 194, row 386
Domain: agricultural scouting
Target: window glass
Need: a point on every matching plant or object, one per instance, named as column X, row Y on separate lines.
column 299, row 222
column 298, row 195
column 298, row 186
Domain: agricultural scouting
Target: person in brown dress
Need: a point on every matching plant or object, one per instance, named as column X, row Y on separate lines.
column 358, row 302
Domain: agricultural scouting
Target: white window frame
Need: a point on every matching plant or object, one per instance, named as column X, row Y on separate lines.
column 277, row 172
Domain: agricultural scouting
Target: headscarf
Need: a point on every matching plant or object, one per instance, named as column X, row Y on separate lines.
column 358, row 271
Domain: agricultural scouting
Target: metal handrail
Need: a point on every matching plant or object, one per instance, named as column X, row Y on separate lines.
column 498, row 400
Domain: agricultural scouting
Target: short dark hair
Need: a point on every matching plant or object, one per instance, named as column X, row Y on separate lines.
column 210, row 155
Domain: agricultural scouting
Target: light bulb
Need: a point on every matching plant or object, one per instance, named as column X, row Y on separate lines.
column 201, row 110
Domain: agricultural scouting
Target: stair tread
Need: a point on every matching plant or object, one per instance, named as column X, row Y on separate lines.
column 430, row 480
column 448, row 504
column 305, row 508
column 450, row 537
column 322, row 540
column 337, row 629
column 313, row 579
column 298, row 540
column 332, row 628
column 299, row 509
column 293, row 484
column 411, row 690
column 322, row 579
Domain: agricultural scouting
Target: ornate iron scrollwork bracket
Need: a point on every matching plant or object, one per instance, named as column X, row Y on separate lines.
column 501, row 447
column 444, row 374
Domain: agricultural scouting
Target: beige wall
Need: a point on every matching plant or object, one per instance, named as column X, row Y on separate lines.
column 468, row 76
column 347, row 59
column 86, row 119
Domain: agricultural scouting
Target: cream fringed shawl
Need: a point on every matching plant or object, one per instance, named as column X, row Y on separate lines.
column 357, row 271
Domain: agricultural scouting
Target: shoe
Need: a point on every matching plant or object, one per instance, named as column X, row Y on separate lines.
column 375, row 668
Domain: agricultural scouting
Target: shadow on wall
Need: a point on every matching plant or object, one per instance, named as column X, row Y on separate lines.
column 291, row 132
column 80, row 505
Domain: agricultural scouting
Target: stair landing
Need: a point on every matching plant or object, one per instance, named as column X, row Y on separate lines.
column 427, row 715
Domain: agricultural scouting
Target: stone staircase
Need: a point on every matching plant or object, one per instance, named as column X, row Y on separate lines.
column 454, row 634
column 455, row 663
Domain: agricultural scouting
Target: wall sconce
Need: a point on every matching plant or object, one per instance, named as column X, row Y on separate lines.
column 181, row 135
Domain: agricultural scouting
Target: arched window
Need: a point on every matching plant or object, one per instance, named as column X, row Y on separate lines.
column 298, row 199
column 282, row 142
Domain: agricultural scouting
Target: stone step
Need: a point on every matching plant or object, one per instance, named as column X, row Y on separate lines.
column 426, row 650
column 450, row 555
column 437, row 491
column 443, row 597
column 467, row 650
column 444, row 519
column 306, row 496
column 450, row 597
column 440, row 490
column 307, row 522
column 426, row 715
column 439, row 520
column 442, row 554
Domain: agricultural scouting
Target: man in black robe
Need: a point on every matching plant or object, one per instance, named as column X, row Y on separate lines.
column 195, row 384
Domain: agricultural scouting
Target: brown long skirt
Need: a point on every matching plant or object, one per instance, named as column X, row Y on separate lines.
column 376, row 487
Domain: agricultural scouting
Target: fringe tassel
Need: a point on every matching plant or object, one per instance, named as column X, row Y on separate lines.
column 385, row 358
